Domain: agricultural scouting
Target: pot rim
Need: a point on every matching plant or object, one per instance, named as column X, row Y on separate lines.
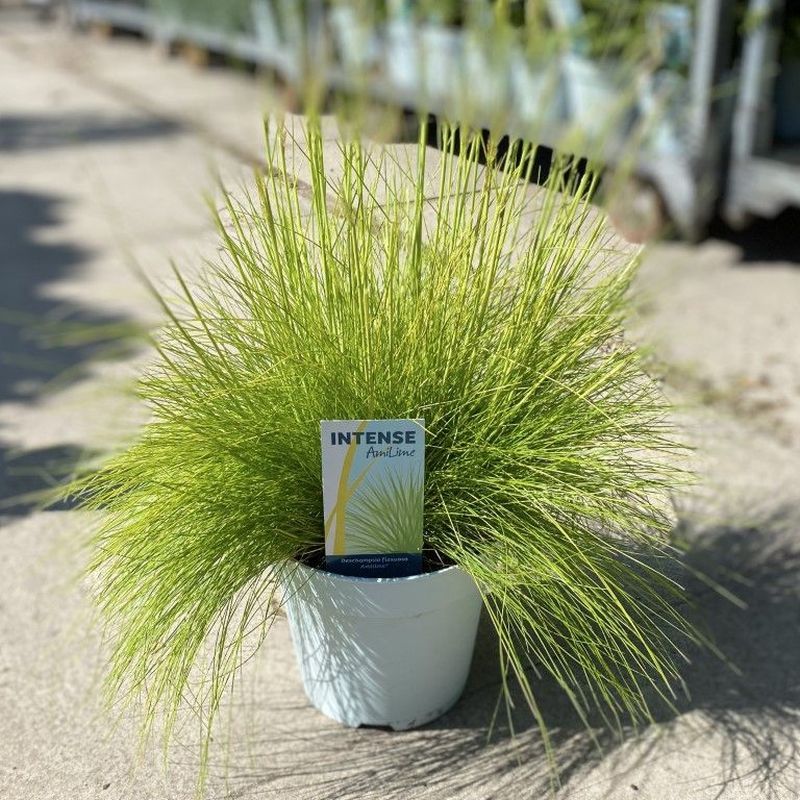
column 356, row 579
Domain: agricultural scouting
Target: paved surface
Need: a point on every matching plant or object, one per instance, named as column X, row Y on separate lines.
column 105, row 152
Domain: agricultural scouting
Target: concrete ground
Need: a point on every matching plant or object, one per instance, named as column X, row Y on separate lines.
column 106, row 149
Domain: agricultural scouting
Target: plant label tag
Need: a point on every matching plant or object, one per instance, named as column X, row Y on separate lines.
column 373, row 473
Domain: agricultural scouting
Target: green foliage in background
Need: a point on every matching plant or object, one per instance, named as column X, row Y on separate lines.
column 492, row 309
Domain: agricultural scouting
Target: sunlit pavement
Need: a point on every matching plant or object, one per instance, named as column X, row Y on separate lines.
column 107, row 151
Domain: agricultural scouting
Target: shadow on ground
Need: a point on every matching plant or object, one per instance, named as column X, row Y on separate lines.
column 27, row 477
column 757, row 712
column 39, row 131
column 754, row 711
column 45, row 344
column 763, row 241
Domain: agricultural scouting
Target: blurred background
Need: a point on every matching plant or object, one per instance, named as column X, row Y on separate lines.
column 118, row 120
column 699, row 100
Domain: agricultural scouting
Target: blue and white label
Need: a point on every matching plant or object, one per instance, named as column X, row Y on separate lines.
column 373, row 477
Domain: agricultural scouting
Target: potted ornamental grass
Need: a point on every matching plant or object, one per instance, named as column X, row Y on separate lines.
column 605, row 46
column 536, row 84
column 452, row 293
column 353, row 26
column 423, row 44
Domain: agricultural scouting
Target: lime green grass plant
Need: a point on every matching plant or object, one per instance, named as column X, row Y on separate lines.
column 364, row 290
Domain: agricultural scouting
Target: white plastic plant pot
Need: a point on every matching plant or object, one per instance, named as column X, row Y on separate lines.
column 402, row 58
column 265, row 24
column 663, row 104
column 391, row 652
column 485, row 80
column 354, row 39
column 595, row 96
column 294, row 38
column 441, row 54
column 537, row 95
column 273, row 49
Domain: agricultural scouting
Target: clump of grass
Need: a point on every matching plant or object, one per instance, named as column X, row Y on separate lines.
column 492, row 310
